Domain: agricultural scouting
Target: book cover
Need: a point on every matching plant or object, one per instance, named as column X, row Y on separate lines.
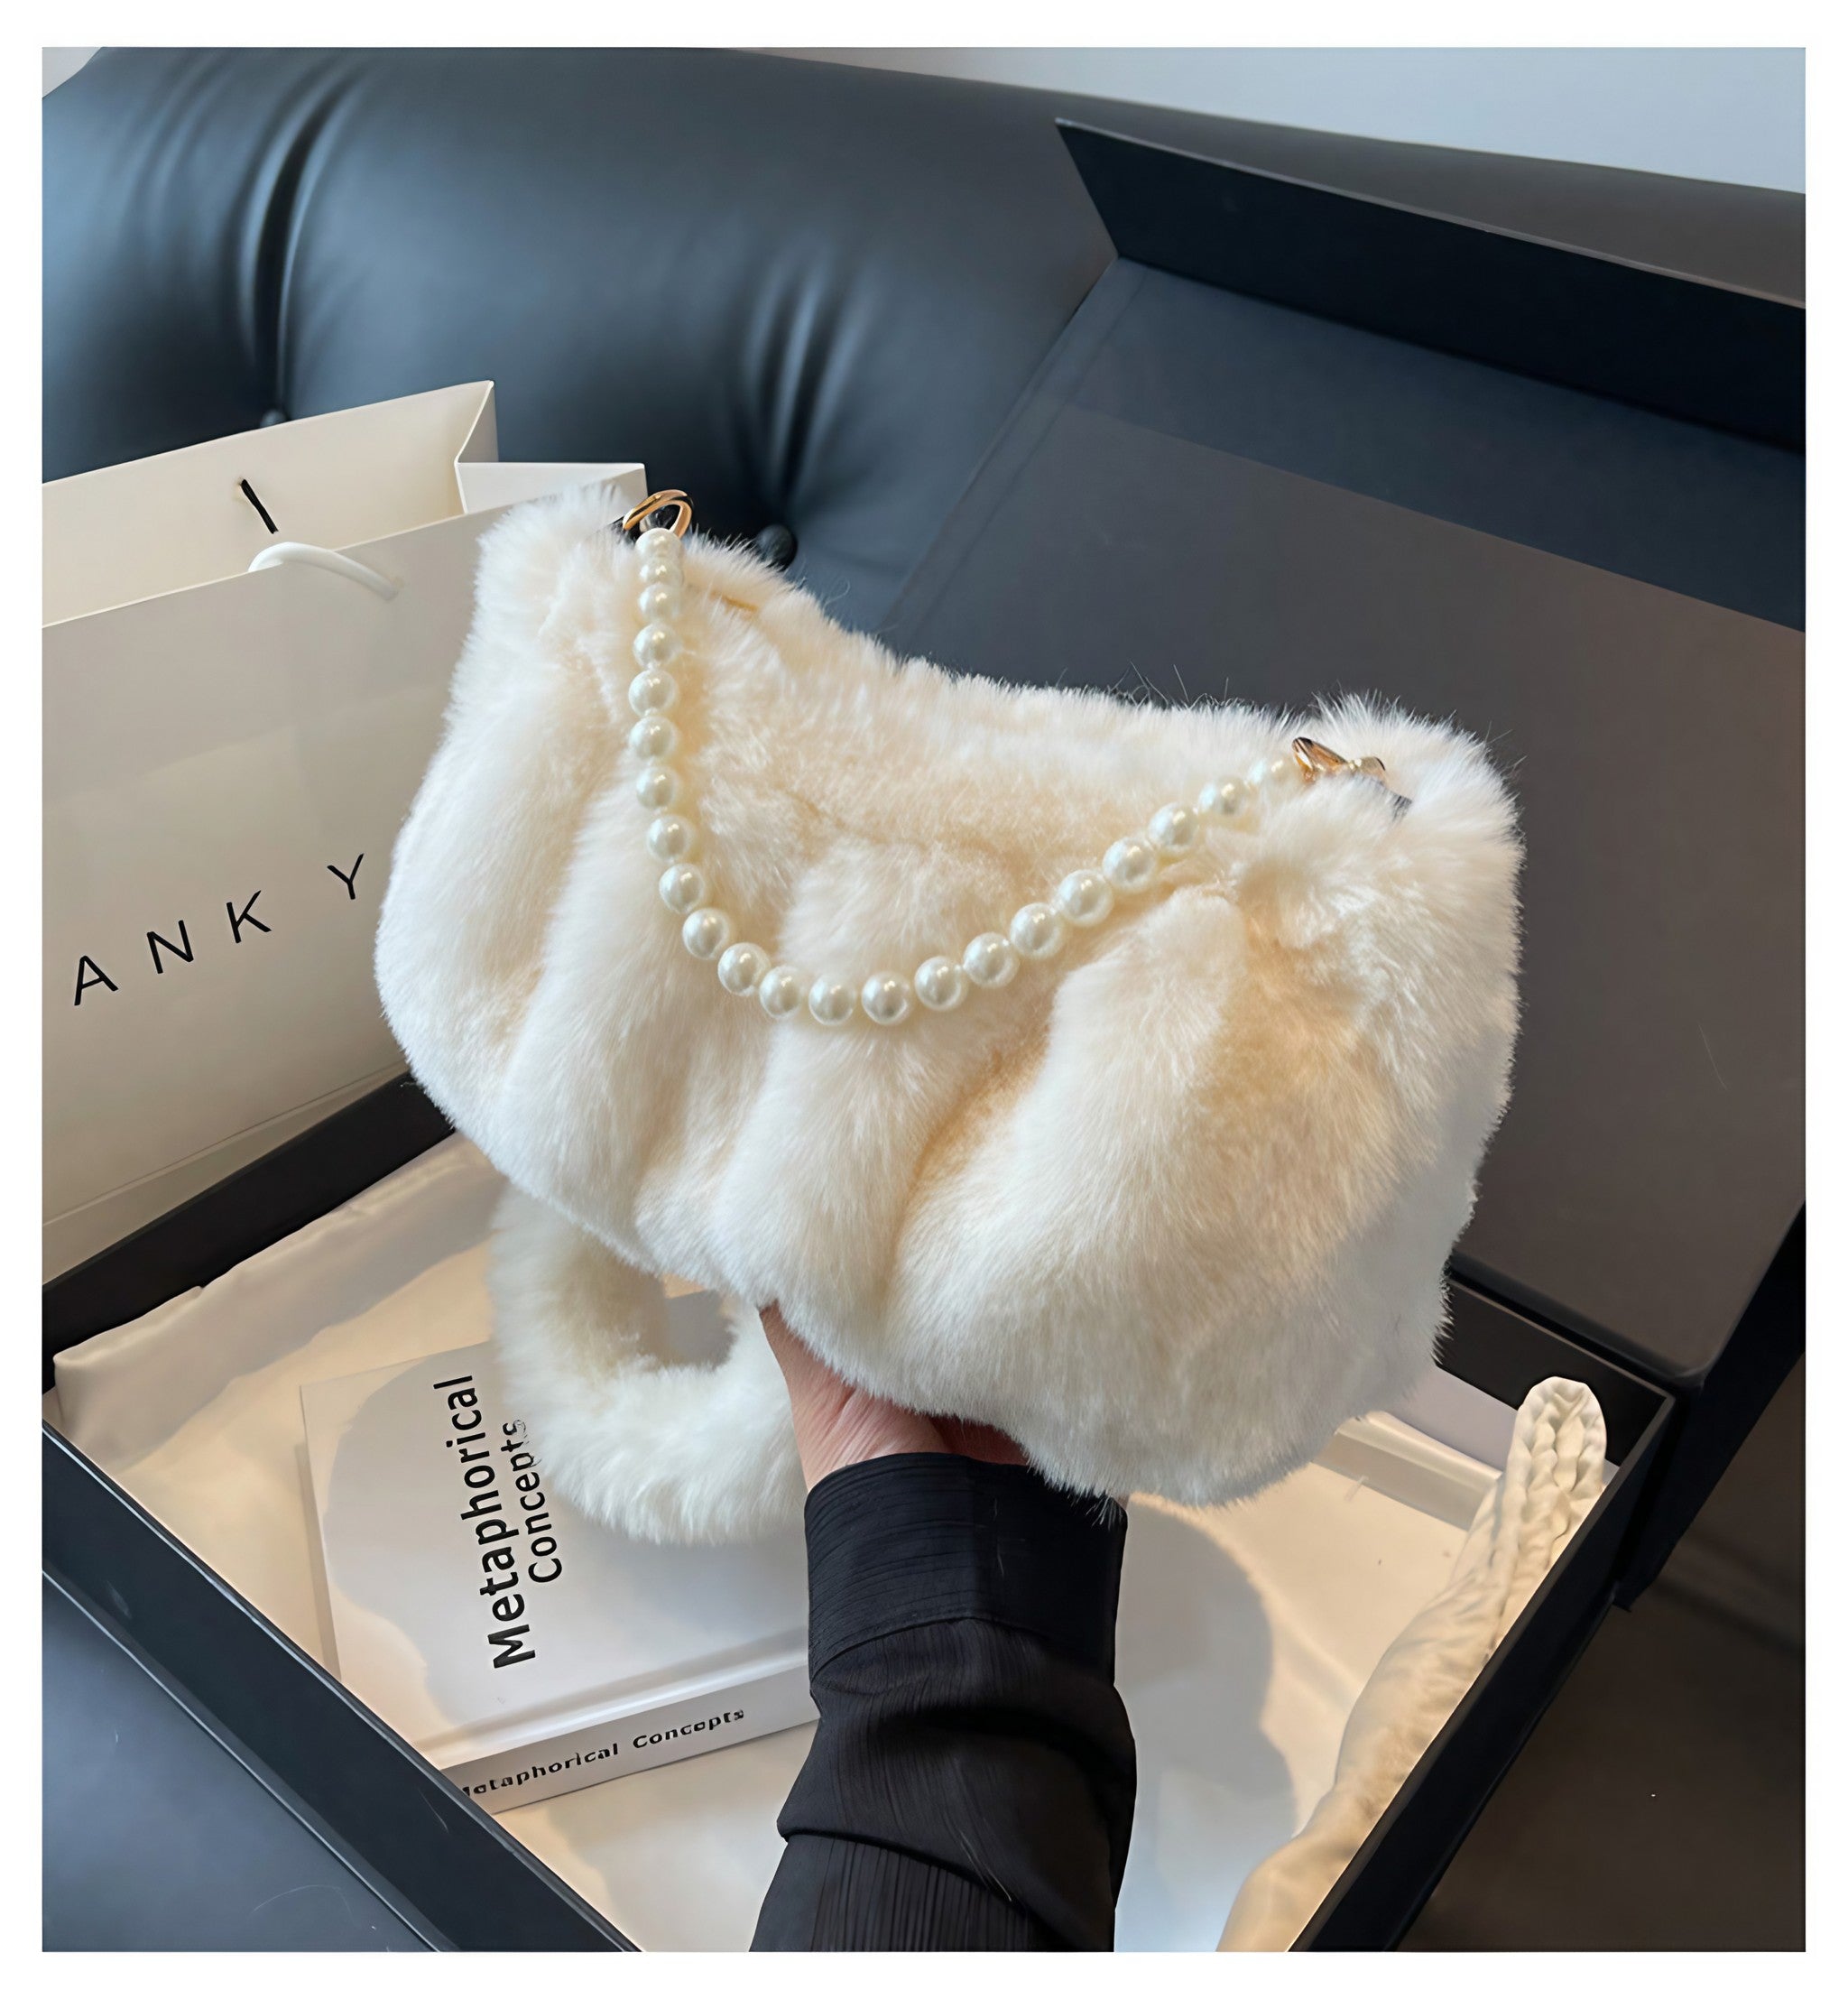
column 526, row 1650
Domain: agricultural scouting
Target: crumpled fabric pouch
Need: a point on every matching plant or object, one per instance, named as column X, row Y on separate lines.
column 1554, row 1475
column 1114, row 1074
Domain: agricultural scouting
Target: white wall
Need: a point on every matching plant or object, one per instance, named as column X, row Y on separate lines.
column 1707, row 113
column 60, row 63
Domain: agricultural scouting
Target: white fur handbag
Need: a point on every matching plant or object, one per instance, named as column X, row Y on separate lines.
column 1138, row 1128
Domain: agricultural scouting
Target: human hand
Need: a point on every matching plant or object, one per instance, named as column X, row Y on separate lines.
column 838, row 1424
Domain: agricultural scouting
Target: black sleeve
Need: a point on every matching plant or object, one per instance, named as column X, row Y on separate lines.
column 972, row 1779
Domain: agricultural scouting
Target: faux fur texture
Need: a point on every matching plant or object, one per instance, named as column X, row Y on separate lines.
column 1166, row 1209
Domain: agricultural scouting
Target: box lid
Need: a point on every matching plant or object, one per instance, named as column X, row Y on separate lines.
column 1208, row 492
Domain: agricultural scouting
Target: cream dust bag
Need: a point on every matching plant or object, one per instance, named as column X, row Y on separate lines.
column 1114, row 1074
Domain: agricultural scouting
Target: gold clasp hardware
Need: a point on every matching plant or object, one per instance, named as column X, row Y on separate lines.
column 659, row 503
column 1318, row 760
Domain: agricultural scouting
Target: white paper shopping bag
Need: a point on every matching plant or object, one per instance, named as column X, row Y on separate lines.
column 248, row 648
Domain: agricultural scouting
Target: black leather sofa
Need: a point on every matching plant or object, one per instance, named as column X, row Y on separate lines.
column 806, row 293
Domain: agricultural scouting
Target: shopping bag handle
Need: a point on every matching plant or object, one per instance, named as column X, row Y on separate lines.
column 305, row 552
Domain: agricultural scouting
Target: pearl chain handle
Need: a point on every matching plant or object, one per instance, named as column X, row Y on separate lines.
column 1036, row 933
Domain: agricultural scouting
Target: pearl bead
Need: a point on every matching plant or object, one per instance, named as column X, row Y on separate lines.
column 660, row 569
column 741, row 968
column 656, row 645
column 885, row 999
column 1037, row 931
column 655, row 737
column 653, row 692
column 991, row 959
column 661, row 603
column 779, row 991
column 831, row 1002
column 1224, row 799
column 682, row 889
column 1279, row 772
column 1131, row 864
column 672, row 839
column 707, row 933
column 940, row 984
column 1085, row 897
column 1175, row 830
column 658, row 786
column 656, row 541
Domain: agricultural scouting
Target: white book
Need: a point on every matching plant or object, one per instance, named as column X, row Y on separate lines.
column 526, row 1650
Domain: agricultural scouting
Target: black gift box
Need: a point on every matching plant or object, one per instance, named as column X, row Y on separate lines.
column 454, row 1874
column 1295, row 443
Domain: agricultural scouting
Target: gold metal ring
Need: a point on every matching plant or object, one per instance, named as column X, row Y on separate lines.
column 659, row 503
